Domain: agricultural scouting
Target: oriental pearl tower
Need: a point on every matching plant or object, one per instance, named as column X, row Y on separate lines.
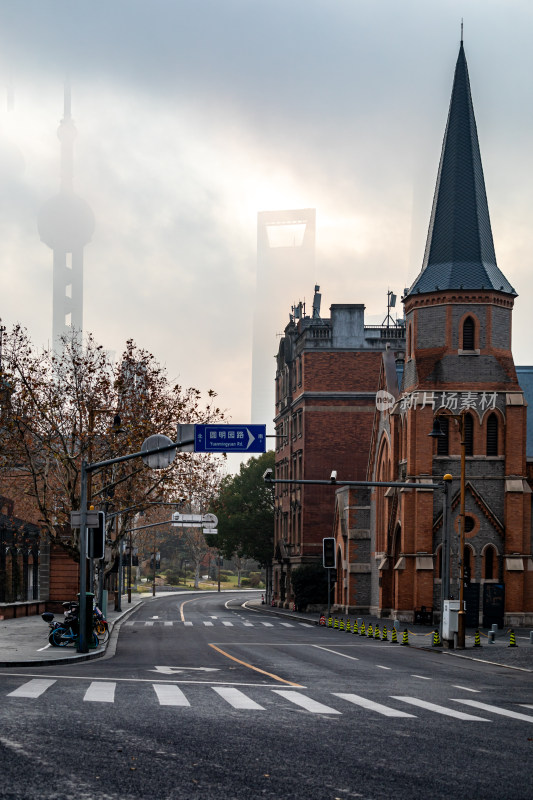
column 66, row 225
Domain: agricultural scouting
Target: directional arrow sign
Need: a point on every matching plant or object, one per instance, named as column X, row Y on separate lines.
column 230, row 438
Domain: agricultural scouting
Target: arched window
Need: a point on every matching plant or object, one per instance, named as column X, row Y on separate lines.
column 468, row 423
column 492, row 435
column 443, row 442
column 469, row 334
column 490, row 563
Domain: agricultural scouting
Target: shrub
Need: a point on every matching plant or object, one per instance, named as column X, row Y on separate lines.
column 255, row 579
column 245, row 581
column 310, row 584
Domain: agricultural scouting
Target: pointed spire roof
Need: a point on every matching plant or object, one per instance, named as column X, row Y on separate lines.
column 459, row 249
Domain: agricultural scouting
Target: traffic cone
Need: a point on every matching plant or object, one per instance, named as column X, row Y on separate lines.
column 384, row 634
column 322, row 620
column 394, row 636
column 370, row 632
column 405, row 640
column 341, row 624
column 512, row 640
column 377, row 634
column 477, row 641
column 348, row 625
column 355, row 627
column 436, row 638
column 362, row 629
column 330, row 622
column 336, row 623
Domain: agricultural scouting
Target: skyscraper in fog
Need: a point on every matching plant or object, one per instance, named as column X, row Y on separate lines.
column 285, row 269
column 66, row 225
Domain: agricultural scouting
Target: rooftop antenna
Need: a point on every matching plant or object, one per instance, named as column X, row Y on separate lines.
column 316, row 303
column 391, row 302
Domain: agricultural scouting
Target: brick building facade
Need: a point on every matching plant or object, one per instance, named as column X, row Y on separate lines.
column 327, row 373
column 458, row 367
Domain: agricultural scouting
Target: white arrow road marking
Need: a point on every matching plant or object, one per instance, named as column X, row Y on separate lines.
column 172, row 670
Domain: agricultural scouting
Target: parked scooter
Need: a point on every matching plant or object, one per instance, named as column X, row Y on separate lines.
column 66, row 632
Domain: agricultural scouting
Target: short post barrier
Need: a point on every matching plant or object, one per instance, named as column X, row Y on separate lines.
column 490, row 637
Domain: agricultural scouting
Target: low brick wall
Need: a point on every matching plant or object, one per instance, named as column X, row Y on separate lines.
column 23, row 609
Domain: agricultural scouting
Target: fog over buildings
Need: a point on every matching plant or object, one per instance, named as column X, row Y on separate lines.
column 193, row 117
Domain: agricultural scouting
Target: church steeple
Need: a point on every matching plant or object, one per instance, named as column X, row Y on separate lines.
column 459, row 250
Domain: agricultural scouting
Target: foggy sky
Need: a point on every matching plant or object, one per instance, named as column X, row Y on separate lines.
column 193, row 116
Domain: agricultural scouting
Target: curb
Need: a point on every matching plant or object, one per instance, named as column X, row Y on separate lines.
column 76, row 657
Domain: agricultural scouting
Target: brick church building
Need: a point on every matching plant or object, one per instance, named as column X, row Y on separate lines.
column 458, row 367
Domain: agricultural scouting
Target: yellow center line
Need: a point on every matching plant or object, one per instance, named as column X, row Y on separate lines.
column 262, row 671
column 184, row 602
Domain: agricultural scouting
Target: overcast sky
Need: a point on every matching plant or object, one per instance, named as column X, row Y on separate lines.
column 194, row 115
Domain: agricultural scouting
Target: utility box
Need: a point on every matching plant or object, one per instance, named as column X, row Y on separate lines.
column 450, row 619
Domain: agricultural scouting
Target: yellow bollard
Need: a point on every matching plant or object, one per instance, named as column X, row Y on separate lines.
column 405, row 640
column 384, row 634
column 394, row 636
column 512, row 640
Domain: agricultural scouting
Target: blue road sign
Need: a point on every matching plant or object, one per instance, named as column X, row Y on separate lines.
column 230, row 438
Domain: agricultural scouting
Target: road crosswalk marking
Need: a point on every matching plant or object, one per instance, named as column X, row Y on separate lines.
column 169, row 695
column 33, row 688
column 167, row 623
column 248, row 624
column 227, row 623
column 372, row 706
column 187, row 623
column 101, row 692
column 208, row 623
column 448, row 712
column 148, row 623
column 287, row 624
column 237, row 699
column 504, row 712
column 267, row 624
column 305, row 702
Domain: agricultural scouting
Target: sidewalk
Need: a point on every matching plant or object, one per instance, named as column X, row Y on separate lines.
column 421, row 637
column 24, row 640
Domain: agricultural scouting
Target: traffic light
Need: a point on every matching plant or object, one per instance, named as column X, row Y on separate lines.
column 328, row 552
column 96, row 538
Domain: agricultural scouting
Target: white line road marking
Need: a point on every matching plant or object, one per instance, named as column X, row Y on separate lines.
column 174, row 670
column 364, row 703
column 305, row 624
column 287, row 624
column 494, row 709
column 305, row 702
column 422, row 677
column 101, row 692
column 378, row 666
column 208, row 623
column 448, row 712
column 44, row 648
column 33, row 688
column 129, row 623
column 155, row 617
column 319, row 647
column 466, row 688
column 227, row 623
column 169, row 695
column 267, row 624
column 168, row 624
column 147, row 624
column 237, row 699
column 212, row 617
column 188, row 624
column 248, row 624
column 525, row 705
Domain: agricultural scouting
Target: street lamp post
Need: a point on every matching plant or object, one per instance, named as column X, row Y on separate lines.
column 436, row 433
column 86, row 470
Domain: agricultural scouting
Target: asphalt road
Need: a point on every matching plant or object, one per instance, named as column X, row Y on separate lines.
column 201, row 697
